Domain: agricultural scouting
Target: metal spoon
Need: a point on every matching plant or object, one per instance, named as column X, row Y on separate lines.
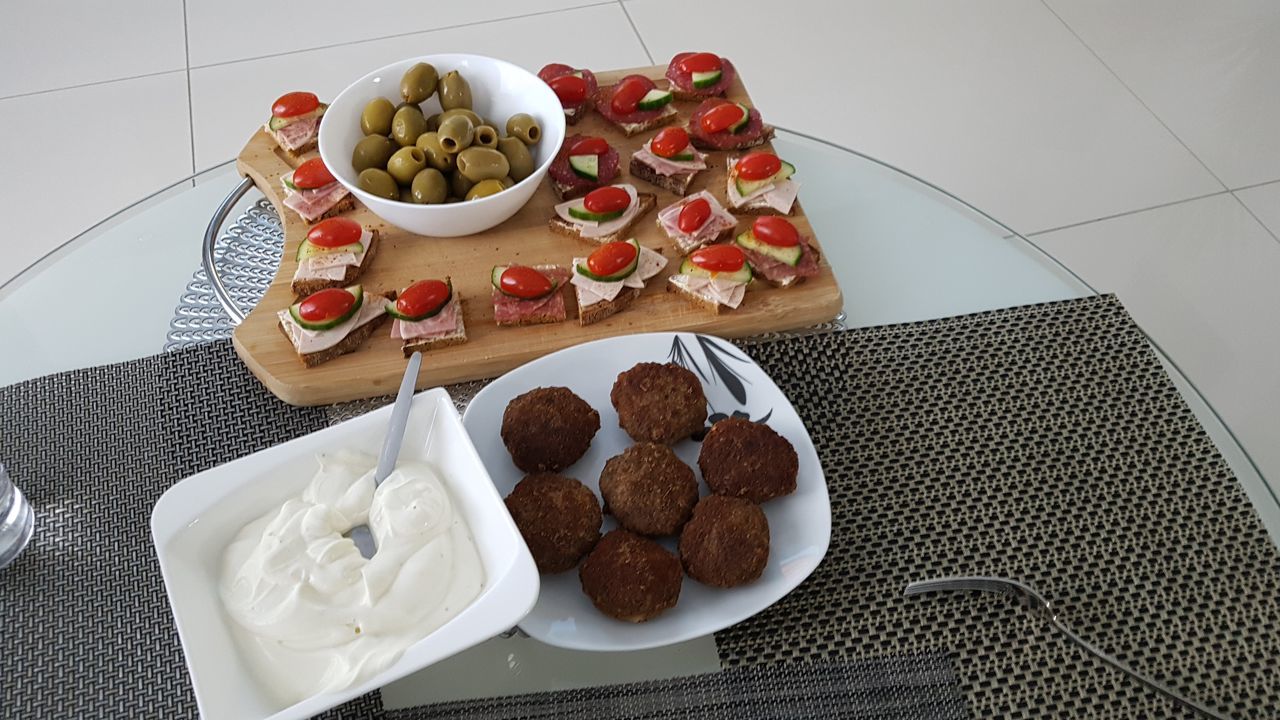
column 360, row 534
column 1040, row 606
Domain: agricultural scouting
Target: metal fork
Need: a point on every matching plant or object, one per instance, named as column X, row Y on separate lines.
column 1040, row 606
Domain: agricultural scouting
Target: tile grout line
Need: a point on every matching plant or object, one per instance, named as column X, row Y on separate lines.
column 191, row 114
column 636, row 30
column 1114, row 216
column 1257, row 219
column 108, row 81
column 1135, row 95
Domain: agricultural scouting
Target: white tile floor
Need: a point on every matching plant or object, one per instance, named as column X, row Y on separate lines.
column 1070, row 120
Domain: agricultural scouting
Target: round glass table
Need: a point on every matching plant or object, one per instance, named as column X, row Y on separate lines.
column 902, row 249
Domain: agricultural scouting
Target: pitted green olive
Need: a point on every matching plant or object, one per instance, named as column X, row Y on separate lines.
column 506, row 181
column 429, row 144
column 475, row 119
column 459, row 185
column 373, row 151
column 433, row 122
column 378, row 182
column 406, row 195
column 486, row 136
column 407, row 125
column 455, row 91
column 456, row 133
column 482, row 163
column 429, row 187
column 518, row 157
column 485, row 188
column 523, row 126
column 407, row 162
column 419, row 83
column 375, row 119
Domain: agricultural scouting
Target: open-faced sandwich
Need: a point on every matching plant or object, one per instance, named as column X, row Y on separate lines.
column 528, row 295
column 583, row 164
column 668, row 161
column 574, row 86
column 334, row 254
column 760, row 182
column 777, row 252
column 696, row 221
column 695, row 76
column 312, row 192
column 427, row 315
column 635, row 105
column 713, row 277
column 604, row 214
column 332, row 322
column 295, row 122
column 718, row 124
column 611, row 277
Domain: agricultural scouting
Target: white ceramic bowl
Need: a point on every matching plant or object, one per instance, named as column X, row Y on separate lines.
column 194, row 520
column 498, row 91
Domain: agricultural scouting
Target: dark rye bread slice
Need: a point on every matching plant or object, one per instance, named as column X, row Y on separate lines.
column 303, row 288
column 678, row 183
column 646, row 201
column 596, row 312
column 350, row 343
column 457, row 337
column 695, row 299
column 766, row 135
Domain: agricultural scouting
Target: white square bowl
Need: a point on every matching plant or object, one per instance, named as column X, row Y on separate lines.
column 194, row 520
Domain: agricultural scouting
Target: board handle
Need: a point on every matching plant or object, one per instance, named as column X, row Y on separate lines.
column 206, row 256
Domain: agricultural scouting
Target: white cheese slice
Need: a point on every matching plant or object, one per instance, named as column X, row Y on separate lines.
column 591, row 291
column 592, row 229
column 718, row 290
column 309, row 341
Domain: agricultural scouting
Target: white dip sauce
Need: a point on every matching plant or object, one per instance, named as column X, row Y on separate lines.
column 315, row 615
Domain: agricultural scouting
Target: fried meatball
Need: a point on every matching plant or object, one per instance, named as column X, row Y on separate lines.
column 559, row 518
column 630, row 577
column 659, row 403
column 548, row 429
column 648, row 489
column 745, row 459
column 726, row 544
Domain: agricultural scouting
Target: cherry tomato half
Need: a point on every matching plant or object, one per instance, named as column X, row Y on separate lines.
column 694, row 215
column 721, row 117
column 327, row 304
column 335, row 232
column 611, row 258
column 719, row 258
column 524, row 282
column 569, row 88
column 589, row 146
column 607, row 199
column 669, row 142
column 294, row 103
column 774, row 230
column 628, row 93
column 423, row 297
column 699, row 62
column 312, row 174
column 758, row 166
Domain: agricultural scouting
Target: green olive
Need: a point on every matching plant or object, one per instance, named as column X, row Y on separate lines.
column 475, row 119
column 375, row 119
column 407, row 162
column 485, row 188
column 455, row 91
column 429, row 187
column 378, row 182
column 523, row 126
column 419, row 83
column 456, row 133
column 486, row 136
column 407, row 125
column 506, row 181
column 429, row 144
column 373, row 151
column 518, row 157
column 406, row 195
column 433, row 122
column 459, row 185
column 482, row 163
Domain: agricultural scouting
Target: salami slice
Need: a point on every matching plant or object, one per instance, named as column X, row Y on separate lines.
column 509, row 310
column 573, row 111
column 776, row 271
column 572, row 184
column 604, row 106
column 683, row 81
column 753, row 133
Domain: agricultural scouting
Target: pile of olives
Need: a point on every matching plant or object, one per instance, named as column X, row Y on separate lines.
column 450, row 156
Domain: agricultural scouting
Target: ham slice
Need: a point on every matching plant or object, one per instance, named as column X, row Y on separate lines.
column 592, row 229
column 296, row 134
column 719, row 221
column 667, row 167
column 724, row 292
column 591, row 291
column 442, row 323
column 310, row 341
column 311, row 204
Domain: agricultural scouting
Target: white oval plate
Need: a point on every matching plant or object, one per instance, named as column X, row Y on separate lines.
column 799, row 524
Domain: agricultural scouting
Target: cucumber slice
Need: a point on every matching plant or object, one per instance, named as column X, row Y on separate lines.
column 295, row 310
column 746, row 115
column 655, row 99
column 742, row 276
column 622, row 274
column 706, row 79
column 307, row 249
column 746, row 187
column 495, row 277
column 275, row 123
column 788, row 255
column 686, row 156
column 288, row 182
column 587, row 166
column 393, row 312
column 582, row 213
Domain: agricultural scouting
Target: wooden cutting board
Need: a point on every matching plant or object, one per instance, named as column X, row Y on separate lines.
column 377, row 367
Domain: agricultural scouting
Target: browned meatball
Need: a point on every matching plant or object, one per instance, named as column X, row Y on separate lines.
column 648, row 489
column 740, row 458
column 726, row 544
column 548, row 429
column 559, row 518
column 630, row 577
column 659, row 403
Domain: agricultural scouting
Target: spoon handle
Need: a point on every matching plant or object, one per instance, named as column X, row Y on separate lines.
column 399, row 418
